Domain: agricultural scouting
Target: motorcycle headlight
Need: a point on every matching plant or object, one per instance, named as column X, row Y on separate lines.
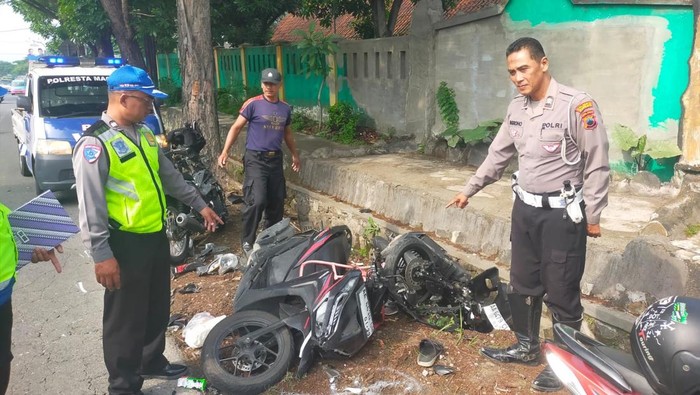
column 53, row 147
column 162, row 141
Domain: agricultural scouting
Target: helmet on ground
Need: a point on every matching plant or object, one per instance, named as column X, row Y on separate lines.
column 666, row 344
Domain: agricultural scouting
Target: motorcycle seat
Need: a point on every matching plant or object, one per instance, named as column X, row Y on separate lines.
column 625, row 364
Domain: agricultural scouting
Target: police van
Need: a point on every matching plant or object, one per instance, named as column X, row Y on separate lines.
column 63, row 98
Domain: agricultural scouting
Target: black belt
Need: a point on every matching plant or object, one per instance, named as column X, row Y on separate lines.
column 266, row 154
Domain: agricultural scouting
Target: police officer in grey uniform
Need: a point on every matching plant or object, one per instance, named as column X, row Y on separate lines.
column 560, row 191
column 122, row 177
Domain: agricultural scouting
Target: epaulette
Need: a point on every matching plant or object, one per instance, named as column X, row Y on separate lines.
column 96, row 129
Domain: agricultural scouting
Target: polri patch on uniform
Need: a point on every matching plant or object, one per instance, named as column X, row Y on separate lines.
column 583, row 106
column 91, row 152
column 589, row 120
column 151, row 140
column 120, row 147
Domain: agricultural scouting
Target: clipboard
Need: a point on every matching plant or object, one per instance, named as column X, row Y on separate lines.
column 41, row 222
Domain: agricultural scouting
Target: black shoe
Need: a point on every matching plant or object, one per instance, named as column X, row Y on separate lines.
column 547, row 381
column 526, row 312
column 520, row 352
column 170, row 371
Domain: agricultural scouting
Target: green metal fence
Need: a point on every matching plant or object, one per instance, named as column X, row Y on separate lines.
column 299, row 89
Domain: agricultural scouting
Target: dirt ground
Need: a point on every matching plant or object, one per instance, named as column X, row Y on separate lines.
column 387, row 363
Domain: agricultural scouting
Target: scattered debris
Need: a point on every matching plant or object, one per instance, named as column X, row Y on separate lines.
column 192, row 382
column 443, row 370
column 199, row 327
column 190, row 289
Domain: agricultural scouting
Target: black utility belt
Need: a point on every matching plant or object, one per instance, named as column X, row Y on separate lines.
column 265, row 154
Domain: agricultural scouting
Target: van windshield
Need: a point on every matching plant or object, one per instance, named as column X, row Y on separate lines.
column 72, row 96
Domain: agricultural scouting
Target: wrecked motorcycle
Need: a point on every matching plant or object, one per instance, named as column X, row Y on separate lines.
column 181, row 222
column 300, row 296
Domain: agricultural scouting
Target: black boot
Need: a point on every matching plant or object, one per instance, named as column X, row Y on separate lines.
column 526, row 312
column 547, row 381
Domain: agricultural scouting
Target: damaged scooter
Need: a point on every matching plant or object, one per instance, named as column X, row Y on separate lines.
column 181, row 222
column 300, row 297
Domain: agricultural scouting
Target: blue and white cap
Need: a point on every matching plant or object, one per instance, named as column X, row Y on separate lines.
column 130, row 78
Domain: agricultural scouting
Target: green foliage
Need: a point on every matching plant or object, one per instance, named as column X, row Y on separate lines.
column 368, row 233
column 301, row 123
column 342, row 122
column 640, row 149
column 246, row 21
column 692, row 230
column 482, row 133
column 315, row 46
column 230, row 99
column 174, row 92
column 447, row 105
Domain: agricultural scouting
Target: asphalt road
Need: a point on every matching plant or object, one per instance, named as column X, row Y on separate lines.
column 57, row 317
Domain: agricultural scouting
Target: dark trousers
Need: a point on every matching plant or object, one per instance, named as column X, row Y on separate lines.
column 5, row 345
column 263, row 191
column 548, row 257
column 136, row 315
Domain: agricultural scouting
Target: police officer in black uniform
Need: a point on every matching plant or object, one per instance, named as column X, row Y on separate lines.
column 122, row 177
column 560, row 191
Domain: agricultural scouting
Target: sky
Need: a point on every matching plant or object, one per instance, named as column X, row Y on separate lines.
column 15, row 36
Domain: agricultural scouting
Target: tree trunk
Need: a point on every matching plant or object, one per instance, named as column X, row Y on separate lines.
column 197, row 70
column 118, row 13
column 379, row 18
column 104, row 45
column 393, row 16
column 690, row 118
column 149, row 49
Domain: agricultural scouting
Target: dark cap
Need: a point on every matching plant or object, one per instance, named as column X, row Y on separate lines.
column 271, row 75
column 130, row 78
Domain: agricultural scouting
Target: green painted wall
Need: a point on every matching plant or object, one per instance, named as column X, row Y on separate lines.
column 673, row 77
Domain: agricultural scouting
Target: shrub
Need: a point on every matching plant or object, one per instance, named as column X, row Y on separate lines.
column 342, row 122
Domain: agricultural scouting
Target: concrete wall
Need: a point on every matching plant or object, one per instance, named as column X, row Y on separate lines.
column 631, row 59
column 377, row 72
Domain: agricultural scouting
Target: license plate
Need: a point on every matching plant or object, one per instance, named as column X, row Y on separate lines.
column 363, row 301
column 495, row 317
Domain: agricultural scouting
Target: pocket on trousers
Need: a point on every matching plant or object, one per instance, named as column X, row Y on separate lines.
column 248, row 197
column 567, row 269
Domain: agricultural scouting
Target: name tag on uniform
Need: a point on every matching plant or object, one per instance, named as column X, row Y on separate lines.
column 124, row 152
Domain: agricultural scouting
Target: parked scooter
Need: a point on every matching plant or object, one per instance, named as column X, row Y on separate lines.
column 182, row 223
column 665, row 359
column 301, row 296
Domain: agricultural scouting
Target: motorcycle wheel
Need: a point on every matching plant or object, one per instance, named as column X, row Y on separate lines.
column 396, row 265
column 251, row 369
column 178, row 238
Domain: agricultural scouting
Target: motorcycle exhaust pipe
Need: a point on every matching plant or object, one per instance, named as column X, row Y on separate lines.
column 184, row 221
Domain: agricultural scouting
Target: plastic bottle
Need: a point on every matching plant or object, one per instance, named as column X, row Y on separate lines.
column 193, row 383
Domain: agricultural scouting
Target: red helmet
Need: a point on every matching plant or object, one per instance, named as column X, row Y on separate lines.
column 666, row 344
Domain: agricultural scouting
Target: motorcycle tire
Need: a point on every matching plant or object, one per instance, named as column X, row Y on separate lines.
column 272, row 354
column 180, row 244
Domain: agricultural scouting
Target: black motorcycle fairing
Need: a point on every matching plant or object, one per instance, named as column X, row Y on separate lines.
column 279, row 262
column 338, row 321
column 268, row 298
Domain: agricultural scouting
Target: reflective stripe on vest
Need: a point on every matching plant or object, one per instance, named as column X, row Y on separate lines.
column 133, row 190
column 8, row 249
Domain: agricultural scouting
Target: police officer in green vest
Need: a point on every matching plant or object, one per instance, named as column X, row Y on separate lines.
column 122, row 177
column 8, row 268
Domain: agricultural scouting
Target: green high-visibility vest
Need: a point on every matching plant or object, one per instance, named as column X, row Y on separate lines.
column 134, row 194
column 8, row 248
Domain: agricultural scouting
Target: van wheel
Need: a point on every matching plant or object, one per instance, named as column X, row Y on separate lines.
column 23, row 168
